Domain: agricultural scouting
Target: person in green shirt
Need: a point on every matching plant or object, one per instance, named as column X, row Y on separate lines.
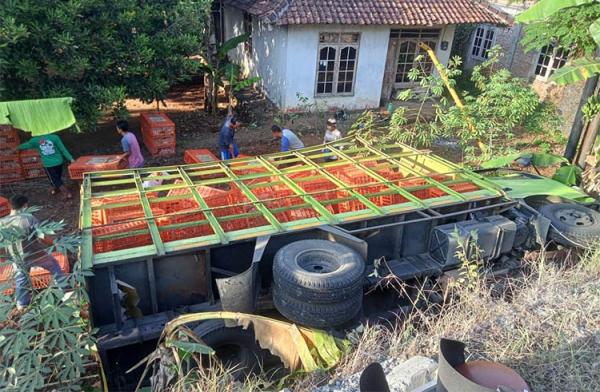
column 53, row 154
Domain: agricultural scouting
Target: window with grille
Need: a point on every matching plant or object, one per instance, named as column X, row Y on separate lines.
column 482, row 41
column 551, row 58
column 337, row 60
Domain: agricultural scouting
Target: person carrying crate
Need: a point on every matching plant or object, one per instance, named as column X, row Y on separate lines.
column 227, row 145
column 130, row 145
column 31, row 250
column 53, row 154
column 287, row 139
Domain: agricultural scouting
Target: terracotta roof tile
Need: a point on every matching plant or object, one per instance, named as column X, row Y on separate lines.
column 361, row 12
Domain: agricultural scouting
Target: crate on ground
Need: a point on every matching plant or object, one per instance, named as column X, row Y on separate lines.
column 40, row 278
column 90, row 163
column 9, row 162
column 10, row 176
column 156, row 143
column 161, row 151
column 199, row 156
column 4, row 206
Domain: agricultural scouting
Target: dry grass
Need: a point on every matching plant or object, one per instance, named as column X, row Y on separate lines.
column 544, row 323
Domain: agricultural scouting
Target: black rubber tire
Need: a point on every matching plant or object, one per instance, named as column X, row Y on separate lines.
column 315, row 315
column 580, row 225
column 318, row 271
column 236, row 347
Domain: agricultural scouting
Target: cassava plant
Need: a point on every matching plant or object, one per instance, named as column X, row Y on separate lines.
column 47, row 345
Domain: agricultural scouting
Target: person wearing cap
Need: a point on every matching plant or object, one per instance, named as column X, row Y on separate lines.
column 288, row 139
column 227, row 144
column 331, row 135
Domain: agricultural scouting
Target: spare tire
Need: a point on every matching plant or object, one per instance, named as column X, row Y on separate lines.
column 236, row 348
column 572, row 224
column 318, row 271
column 318, row 315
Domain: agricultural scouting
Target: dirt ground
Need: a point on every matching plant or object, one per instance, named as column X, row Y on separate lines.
column 195, row 129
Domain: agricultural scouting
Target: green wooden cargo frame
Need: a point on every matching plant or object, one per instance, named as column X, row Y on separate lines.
column 280, row 169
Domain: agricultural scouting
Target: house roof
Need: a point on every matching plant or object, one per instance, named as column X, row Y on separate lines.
column 372, row 12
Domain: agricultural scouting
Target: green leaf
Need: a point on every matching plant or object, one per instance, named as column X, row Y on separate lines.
column 578, row 70
column 595, row 31
column 545, row 159
column 230, row 44
column 545, row 8
column 567, row 174
column 503, row 160
column 190, row 347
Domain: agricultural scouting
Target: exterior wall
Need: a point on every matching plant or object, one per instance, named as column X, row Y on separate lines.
column 448, row 36
column 303, row 42
column 268, row 57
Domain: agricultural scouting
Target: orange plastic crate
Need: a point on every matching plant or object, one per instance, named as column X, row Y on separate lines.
column 13, row 175
column 131, row 241
column 161, row 151
column 90, row 163
column 157, row 124
column 30, row 158
column 158, row 142
column 9, row 163
column 40, row 278
column 33, row 172
column 9, row 137
column 199, row 156
column 4, row 206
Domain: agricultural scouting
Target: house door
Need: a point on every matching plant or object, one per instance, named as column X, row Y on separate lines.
column 402, row 53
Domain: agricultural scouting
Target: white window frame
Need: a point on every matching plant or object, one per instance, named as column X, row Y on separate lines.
column 338, row 46
column 481, row 41
column 557, row 58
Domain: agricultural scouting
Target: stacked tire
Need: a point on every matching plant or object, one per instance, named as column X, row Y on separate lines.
column 318, row 283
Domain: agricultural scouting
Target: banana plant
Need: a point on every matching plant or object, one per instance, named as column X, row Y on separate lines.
column 579, row 69
column 219, row 70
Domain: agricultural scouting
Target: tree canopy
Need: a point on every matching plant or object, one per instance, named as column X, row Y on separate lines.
column 99, row 51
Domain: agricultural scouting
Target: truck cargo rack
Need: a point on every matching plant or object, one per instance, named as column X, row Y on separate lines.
column 138, row 213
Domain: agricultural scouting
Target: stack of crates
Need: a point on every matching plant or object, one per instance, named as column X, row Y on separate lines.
column 4, row 207
column 31, row 164
column 10, row 168
column 158, row 132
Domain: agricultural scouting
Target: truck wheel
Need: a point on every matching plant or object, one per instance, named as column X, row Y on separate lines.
column 318, row 315
column 318, row 271
column 235, row 347
column 572, row 224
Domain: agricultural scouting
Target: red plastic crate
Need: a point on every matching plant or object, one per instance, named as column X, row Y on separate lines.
column 90, row 163
column 161, row 151
column 9, row 163
column 40, row 278
column 30, row 158
column 33, row 172
column 199, row 156
column 4, row 206
column 157, row 124
column 14, row 175
column 9, row 137
column 131, row 241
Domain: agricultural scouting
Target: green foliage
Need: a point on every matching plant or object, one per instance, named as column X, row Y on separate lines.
column 591, row 108
column 98, row 51
column 471, row 258
column 576, row 71
column 49, row 342
column 568, row 175
column 536, row 159
column 544, row 9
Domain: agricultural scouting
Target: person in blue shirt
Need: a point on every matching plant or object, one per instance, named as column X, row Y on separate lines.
column 288, row 139
column 227, row 144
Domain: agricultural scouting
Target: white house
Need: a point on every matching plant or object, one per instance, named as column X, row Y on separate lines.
column 347, row 54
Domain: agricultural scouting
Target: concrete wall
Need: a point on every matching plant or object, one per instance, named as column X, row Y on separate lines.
column 303, row 42
column 447, row 35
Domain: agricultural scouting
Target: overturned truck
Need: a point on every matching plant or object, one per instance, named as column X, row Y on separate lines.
column 297, row 235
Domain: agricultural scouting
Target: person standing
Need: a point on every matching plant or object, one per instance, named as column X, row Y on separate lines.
column 31, row 251
column 331, row 135
column 130, row 145
column 53, row 154
column 288, row 139
column 227, row 145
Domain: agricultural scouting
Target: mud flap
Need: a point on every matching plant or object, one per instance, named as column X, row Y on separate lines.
column 239, row 293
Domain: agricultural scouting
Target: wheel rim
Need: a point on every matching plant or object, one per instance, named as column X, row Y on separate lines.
column 574, row 217
column 318, row 262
